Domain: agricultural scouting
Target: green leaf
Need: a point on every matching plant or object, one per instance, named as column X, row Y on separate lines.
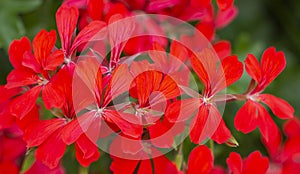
column 12, row 26
column 28, row 161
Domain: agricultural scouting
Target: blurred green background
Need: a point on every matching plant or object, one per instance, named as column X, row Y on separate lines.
column 259, row 24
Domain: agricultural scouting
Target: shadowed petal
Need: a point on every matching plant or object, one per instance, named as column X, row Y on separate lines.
column 200, row 160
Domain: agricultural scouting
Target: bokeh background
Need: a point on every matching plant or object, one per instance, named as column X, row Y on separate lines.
column 259, row 24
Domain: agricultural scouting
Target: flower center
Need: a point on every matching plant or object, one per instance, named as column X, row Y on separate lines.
column 141, row 112
column 100, row 112
column 42, row 81
column 254, row 97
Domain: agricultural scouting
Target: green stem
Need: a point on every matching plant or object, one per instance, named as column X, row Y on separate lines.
column 211, row 145
column 83, row 170
column 179, row 158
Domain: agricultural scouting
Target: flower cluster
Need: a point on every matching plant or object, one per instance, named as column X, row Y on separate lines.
column 135, row 92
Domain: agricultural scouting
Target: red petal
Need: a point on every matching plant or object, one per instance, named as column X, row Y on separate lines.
column 159, row 57
column 94, row 130
column 41, row 131
column 54, row 60
column 200, row 160
column 12, row 148
column 273, row 145
column 179, row 51
column 43, row 43
column 119, row 31
column 208, row 123
column 199, row 4
column 162, row 133
column 267, row 126
column 51, row 151
column 7, row 94
column 163, row 165
column 191, row 13
column 86, row 151
column 75, row 3
column 253, row 68
column 246, row 118
column 126, row 127
column 279, row 107
column 24, row 103
column 146, row 83
column 95, row 9
column 224, row 17
column 10, row 167
column 121, row 166
column 74, row 129
column 92, row 77
column 129, row 146
column 205, row 65
column 207, row 29
column 231, row 70
column 39, row 167
column 118, row 84
column 29, row 61
column 235, row 163
column 136, row 4
column 16, row 50
column 224, row 4
column 197, row 134
column 24, row 77
column 157, row 5
column 94, row 31
column 66, row 19
column 139, row 67
column 222, row 133
column 255, row 163
column 145, row 167
column 290, row 167
column 115, row 8
column 62, row 84
column 291, row 150
column 292, row 128
column 6, row 118
column 181, row 110
column 30, row 119
column 169, row 88
column 222, row 48
column 52, row 96
column 272, row 64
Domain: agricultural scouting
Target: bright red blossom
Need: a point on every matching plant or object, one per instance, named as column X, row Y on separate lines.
column 254, row 163
column 290, row 152
column 253, row 114
column 208, row 121
column 34, row 70
column 140, row 105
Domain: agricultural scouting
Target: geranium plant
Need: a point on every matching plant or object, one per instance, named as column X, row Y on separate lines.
column 141, row 86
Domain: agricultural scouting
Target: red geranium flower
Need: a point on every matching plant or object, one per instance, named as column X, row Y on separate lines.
column 201, row 160
column 66, row 19
column 161, row 164
column 208, row 121
column 12, row 150
column 290, row 153
column 153, row 90
column 254, row 163
column 46, row 134
column 39, row 167
column 253, row 114
column 34, row 70
column 6, row 118
column 95, row 94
